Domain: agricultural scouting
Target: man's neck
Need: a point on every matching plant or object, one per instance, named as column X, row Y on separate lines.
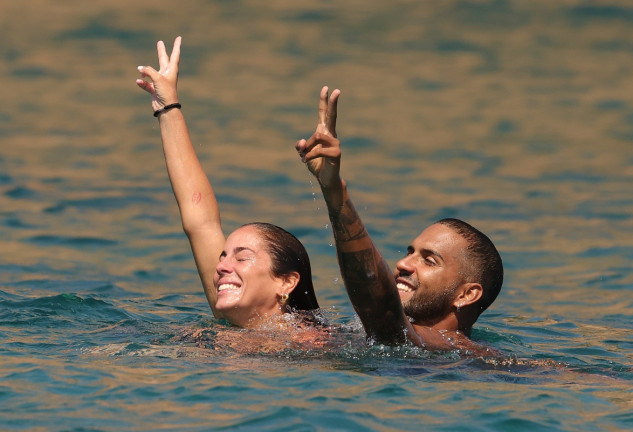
column 443, row 335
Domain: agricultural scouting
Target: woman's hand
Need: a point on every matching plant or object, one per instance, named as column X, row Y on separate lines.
column 164, row 82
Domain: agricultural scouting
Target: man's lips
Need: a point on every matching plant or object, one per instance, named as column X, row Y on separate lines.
column 405, row 284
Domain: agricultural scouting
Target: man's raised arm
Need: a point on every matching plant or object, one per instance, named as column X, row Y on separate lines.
column 369, row 282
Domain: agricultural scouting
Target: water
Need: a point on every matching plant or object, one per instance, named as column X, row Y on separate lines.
column 515, row 116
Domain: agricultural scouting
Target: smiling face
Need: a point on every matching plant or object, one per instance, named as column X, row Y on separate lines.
column 429, row 275
column 247, row 290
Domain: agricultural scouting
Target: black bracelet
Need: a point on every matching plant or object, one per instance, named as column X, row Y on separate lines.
column 167, row 107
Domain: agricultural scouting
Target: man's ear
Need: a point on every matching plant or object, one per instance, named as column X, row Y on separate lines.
column 469, row 293
column 289, row 283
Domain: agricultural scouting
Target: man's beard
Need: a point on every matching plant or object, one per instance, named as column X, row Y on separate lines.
column 429, row 307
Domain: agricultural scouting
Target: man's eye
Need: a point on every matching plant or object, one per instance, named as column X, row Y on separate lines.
column 430, row 261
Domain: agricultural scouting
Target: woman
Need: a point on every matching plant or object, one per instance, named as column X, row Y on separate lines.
column 260, row 272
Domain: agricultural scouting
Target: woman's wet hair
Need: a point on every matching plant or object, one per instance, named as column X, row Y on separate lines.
column 288, row 255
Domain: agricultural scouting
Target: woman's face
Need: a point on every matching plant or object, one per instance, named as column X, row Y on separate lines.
column 247, row 290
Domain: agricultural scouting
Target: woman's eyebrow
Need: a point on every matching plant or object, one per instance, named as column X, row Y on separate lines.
column 242, row 248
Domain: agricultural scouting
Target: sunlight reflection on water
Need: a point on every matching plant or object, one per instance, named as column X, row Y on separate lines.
column 513, row 116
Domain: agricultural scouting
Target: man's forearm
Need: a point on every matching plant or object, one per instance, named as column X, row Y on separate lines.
column 368, row 280
column 347, row 226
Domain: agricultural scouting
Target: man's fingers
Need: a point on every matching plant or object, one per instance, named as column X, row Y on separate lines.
column 332, row 111
column 300, row 144
column 326, row 139
column 304, row 147
column 317, row 152
column 323, row 104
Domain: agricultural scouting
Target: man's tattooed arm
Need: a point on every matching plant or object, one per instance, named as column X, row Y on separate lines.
column 368, row 279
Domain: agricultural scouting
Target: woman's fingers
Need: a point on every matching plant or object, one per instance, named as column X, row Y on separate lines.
column 175, row 53
column 148, row 71
column 147, row 86
column 164, row 79
column 163, row 59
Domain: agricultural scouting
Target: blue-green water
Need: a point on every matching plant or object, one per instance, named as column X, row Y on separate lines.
column 516, row 116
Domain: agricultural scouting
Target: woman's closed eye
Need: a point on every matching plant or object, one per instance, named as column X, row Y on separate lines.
column 244, row 256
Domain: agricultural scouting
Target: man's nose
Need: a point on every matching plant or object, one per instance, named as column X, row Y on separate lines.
column 404, row 266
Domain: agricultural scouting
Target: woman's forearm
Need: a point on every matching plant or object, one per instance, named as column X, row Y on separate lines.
column 192, row 189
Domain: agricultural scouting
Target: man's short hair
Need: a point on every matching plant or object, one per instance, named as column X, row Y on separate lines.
column 482, row 258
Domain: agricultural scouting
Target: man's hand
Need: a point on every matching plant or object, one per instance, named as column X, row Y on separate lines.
column 322, row 151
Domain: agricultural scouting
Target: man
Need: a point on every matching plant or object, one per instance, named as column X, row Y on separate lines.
column 450, row 275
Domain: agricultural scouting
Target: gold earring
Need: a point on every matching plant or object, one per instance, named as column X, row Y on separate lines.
column 284, row 298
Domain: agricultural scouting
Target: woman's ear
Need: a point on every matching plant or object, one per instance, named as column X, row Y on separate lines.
column 469, row 293
column 289, row 283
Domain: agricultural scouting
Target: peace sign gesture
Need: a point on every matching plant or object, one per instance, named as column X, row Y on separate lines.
column 164, row 82
column 328, row 112
column 322, row 151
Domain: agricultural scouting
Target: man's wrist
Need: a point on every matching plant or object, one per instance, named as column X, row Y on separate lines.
column 333, row 186
column 333, row 191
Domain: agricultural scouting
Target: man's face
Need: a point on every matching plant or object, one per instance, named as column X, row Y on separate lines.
column 428, row 276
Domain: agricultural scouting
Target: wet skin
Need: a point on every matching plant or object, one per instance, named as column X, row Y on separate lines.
column 247, row 291
column 427, row 276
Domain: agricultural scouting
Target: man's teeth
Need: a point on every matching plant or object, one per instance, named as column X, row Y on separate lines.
column 227, row 286
column 404, row 287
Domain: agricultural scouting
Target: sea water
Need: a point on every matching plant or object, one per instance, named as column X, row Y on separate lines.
column 514, row 116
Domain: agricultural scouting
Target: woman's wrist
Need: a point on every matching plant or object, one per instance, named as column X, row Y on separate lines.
column 160, row 102
column 167, row 108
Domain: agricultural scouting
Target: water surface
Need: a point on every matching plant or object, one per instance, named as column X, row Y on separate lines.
column 515, row 116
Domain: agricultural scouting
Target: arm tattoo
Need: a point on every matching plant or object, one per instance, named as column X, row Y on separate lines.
column 369, row 282
column 367, row 286
column 358, row 267
column 346, row 224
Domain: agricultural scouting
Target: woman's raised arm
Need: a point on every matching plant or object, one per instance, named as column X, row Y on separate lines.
column 198, row 206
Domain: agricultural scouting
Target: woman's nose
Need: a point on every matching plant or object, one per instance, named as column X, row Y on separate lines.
column 224, row 266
